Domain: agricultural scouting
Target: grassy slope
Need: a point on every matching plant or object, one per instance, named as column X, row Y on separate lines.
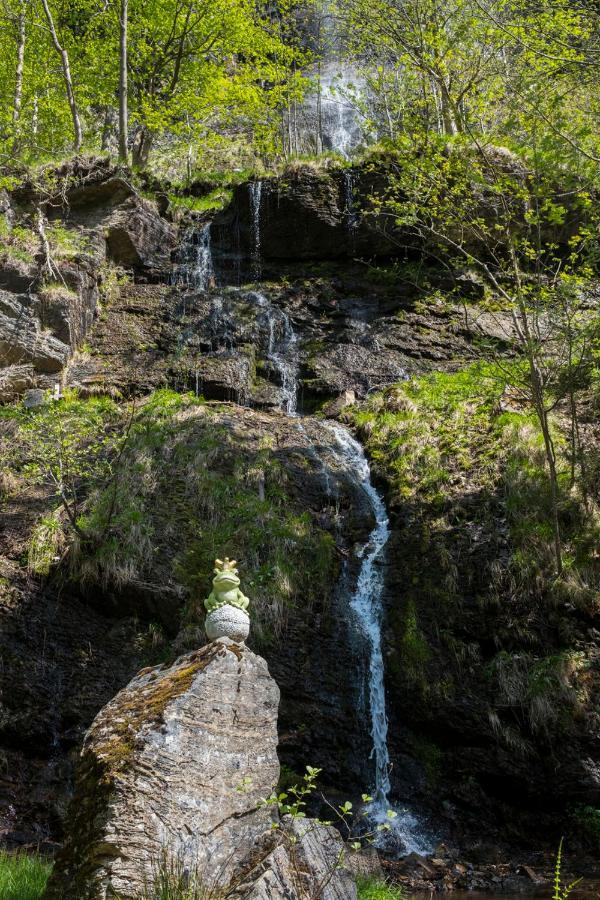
column 480, row 616
column 193, row 484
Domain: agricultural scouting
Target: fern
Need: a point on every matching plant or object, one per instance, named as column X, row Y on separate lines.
column 561, row 892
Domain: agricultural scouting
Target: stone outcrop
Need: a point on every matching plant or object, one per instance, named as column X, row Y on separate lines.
column 43, row 320
column 23, row 338
column 308, row 862
column 175, row 764
column 351, row 337
column 171, row 773
column 137, row 237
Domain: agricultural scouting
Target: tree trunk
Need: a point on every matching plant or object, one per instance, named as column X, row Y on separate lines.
column 64, row 56
column 142, row 147
column 542, row 415
column 123, row 111
column 18, row 97
column 109, row 129
column 448, row 117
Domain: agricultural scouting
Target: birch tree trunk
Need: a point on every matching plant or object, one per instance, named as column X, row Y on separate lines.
column 21, row 35
column 64, row 56
column 123, row 85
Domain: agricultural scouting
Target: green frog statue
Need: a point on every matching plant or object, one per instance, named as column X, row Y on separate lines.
column 226, row 607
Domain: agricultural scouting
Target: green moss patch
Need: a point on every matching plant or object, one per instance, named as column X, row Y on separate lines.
column 142, row 705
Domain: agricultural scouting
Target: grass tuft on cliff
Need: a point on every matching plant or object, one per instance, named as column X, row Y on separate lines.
column 155, row 494
column 23, row 876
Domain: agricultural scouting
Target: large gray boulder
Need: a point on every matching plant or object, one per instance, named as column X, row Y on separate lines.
column 174, row 765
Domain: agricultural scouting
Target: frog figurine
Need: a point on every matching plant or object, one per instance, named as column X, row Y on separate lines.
column 226, row 606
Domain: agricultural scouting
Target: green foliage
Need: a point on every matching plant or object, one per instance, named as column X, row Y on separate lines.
column 173, row 880
column 440, row 435
column 215, row 200
column 561, row 891
column 375, row 889
column 353, row 823
column 45, row 543
column 23, row 876
column 200, row 74
column 588, row 820
column 65, row 444
column 457, row 462
column 188, row 492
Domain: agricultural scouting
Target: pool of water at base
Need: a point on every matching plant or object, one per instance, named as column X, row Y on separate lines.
column 585, row 890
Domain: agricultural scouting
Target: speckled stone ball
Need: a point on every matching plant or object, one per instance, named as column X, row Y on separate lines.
column 227, row 622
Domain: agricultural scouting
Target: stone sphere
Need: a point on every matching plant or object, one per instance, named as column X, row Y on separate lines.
column 227, row 622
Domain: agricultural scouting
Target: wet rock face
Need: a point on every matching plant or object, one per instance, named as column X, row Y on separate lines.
column 229, row 344
column 175, row 764
column 305, row 214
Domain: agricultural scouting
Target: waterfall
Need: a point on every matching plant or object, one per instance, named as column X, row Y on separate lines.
column 366, row 603
column 283, row 354
column 281, row 349
column 194, row 267
column 329, row 117
column 255, row 197
column 280, row 346
column 350, row 214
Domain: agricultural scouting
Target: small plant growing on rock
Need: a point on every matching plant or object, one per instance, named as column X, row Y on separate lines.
column 173, row 880
column 353, row 824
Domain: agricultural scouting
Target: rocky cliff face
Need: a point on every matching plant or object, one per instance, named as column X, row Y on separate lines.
column 60, row 234
column 200, row 478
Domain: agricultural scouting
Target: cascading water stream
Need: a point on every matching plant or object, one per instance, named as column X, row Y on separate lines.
column 281, row 348
column 405, row 830
column 255, row 197
column 195, row 265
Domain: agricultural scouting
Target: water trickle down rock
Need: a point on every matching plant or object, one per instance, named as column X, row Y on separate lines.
column 194, row 267
column 281, row 349
column 255, row 197
column 406, row 832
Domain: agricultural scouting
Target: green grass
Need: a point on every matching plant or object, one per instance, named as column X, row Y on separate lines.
column 375, row 889
column 192, row 487
column 215, row 200
column 23, row 876
column 188, row 494
column 467, row 471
